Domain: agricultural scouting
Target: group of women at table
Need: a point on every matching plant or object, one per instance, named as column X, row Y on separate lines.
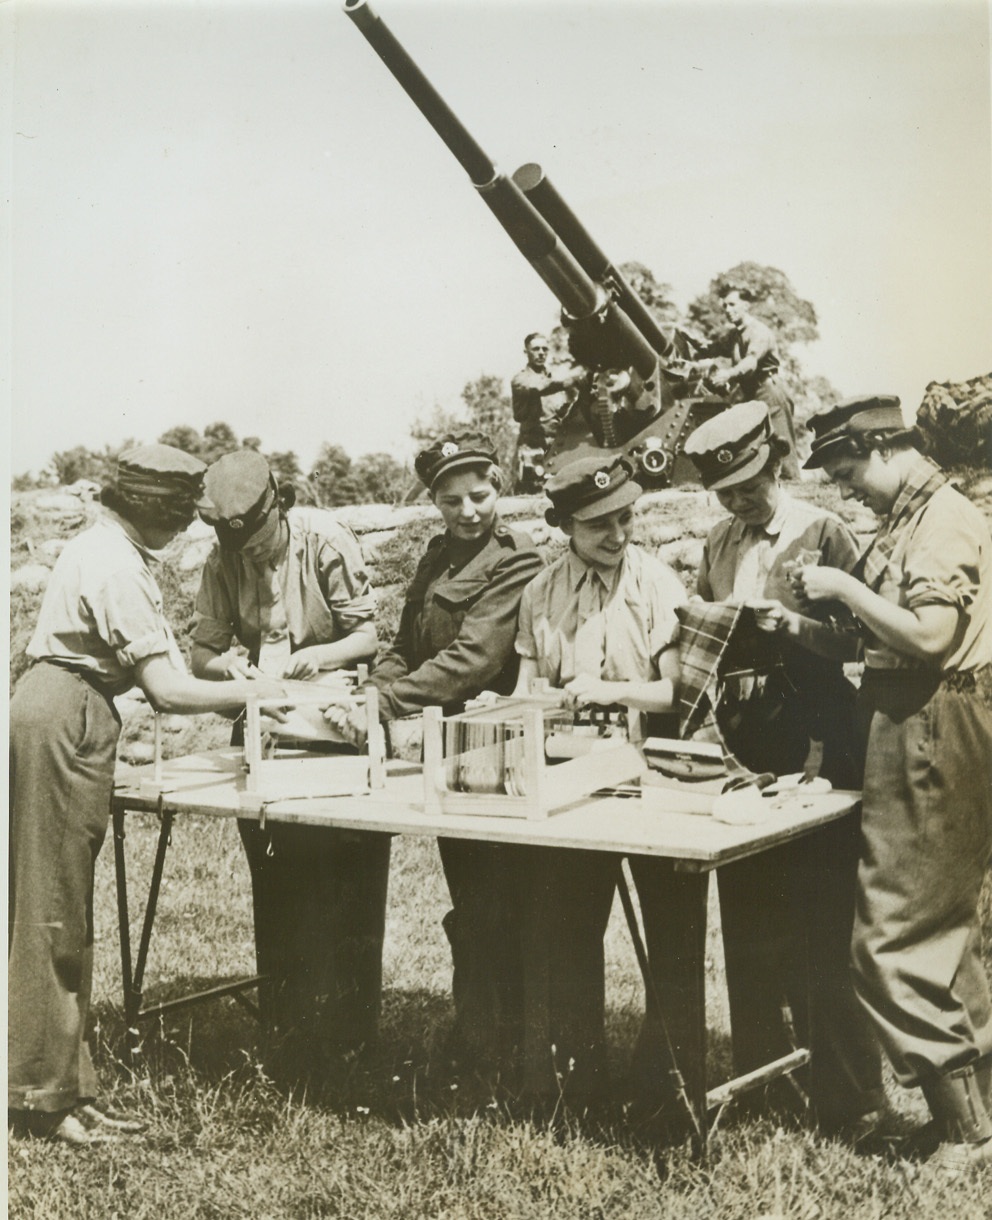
column 604, row 623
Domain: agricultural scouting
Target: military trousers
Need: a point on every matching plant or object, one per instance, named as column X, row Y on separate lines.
column 63, row 742
column 927, row 837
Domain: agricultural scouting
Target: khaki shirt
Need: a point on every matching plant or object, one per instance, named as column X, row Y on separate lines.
column 456, row 632
column 636, row 618
column 534, row 408
column 942, row 557
column 325, row 589
column 797, row 531
column 102, row 610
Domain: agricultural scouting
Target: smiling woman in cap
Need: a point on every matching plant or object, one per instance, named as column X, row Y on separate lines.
column 290, row 585
column 101, row 631
column 793, row 712
column 455, row 638
column 922, row 594
column 600, row 623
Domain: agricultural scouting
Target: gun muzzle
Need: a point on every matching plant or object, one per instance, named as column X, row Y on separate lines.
column 579, row 295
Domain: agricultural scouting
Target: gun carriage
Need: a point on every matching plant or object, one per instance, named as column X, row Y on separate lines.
column 634, row 399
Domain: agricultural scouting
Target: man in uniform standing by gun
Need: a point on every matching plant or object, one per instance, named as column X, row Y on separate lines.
column 753, row 371
column 539, row 399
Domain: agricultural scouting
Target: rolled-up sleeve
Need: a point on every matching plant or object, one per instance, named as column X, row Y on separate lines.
column 344, row 581
column 213, row 617
column 942, row 566
column 128, row 615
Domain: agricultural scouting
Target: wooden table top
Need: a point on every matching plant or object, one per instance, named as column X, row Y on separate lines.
column 210, row 783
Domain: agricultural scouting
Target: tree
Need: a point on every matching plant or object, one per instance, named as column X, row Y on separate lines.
column 654, row 294
column 380, row 479
column 778, row 305
column 331, row 476
column 218, row 439
column 183, row 437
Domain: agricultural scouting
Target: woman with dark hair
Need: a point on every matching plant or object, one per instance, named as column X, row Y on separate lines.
column 290, row 585
column 922, row 595
column 790, row 712
column 455, row 639
column 101, row 631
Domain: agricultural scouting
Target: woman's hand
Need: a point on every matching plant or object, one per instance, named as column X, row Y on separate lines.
column 769, row 615
column 351, row 722
column 818, row 584
column 302, row 665
column 585, row 689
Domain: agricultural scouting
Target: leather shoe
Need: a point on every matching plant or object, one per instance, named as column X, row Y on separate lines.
column 98, row 1114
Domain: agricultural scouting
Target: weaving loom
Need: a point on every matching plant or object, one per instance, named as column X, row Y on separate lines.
column 496, row 759
column 274, row 773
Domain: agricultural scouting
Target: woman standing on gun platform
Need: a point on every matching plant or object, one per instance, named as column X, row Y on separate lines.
column 101, row 631
column 792, row 711
column 922, row 593
column 455, row 638
column 291, row 587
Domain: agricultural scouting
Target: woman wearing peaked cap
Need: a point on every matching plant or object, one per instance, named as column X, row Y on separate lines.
column 291, row 587
column 922, row 593
column 454, row 640
column 779, row 907
column 100, row 632
column 600, row 622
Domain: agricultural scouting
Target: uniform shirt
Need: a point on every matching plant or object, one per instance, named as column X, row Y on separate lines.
column 536, row 413
column 456, row 631
column 750, row 338
column 633, row 610
column 743, row 561
column 942, row 557
column 102, row 610
column 321, row 589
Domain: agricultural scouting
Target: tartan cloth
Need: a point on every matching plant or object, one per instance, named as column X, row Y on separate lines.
column 925, row 477
column 705, row 632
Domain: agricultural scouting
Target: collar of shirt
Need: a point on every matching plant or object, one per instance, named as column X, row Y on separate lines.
column 772, row 528
column 114, row 521
column 579, row 570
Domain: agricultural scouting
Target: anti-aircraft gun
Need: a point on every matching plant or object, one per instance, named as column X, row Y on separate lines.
column 633, row 400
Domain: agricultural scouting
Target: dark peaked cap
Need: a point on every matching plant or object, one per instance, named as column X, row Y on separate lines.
column 852, row 417
column 452, row 451
column 159, row 471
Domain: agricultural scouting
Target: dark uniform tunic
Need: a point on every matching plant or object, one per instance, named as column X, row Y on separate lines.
column 795, row 900
column 455, row 639
column 319, row 895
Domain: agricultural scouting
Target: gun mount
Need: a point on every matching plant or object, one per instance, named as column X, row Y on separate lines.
column 632, row 399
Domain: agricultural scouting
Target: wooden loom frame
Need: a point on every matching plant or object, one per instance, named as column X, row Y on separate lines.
column 544, row 791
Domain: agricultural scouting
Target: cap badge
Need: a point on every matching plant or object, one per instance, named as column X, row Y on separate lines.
column 723, row 456
column 448, row 449
column 235, row 523
column 601, row 478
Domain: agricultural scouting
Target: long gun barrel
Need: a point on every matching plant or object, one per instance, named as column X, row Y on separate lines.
column 581, row 297
column 538, row 189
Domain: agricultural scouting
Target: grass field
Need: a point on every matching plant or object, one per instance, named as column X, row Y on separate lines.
column 400, row 1135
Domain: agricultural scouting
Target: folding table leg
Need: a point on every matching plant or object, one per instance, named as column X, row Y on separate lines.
column 678, row 1000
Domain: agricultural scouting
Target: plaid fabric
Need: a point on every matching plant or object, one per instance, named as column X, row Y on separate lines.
column 924, row 479
column 706, row 629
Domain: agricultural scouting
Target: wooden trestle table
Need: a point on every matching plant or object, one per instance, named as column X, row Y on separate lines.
column 210, row 784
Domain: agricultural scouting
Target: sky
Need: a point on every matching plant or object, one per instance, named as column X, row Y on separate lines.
column 225, row 210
